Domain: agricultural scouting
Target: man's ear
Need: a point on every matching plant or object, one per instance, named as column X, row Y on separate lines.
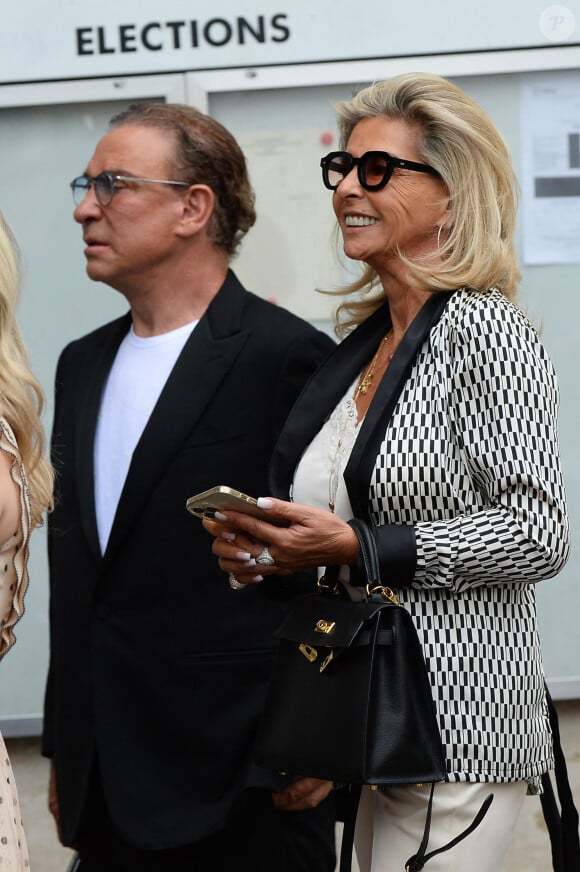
column 197, row 208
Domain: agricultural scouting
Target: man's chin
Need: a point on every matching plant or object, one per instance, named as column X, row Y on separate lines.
column 97, row 272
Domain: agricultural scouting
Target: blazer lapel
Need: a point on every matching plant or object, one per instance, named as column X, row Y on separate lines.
column 359, row 468
column 104, row 356
column 205, row 360
column 321, row 395
column 327, row 387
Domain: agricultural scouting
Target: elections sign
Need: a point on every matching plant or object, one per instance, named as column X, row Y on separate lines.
column 44, row 40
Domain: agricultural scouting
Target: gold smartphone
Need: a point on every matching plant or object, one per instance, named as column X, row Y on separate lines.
column 222, row 498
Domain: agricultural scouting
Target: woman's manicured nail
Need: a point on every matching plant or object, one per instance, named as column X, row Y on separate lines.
column 243, row 555
column 229, row 536
column 265, row 503
column 219, row 517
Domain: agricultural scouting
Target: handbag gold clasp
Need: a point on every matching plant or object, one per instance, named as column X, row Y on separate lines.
column 385, row 592
column 309, row 652
column 323, row 587
column 325, row 627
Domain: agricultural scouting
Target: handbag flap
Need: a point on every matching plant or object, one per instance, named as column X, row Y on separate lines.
column 326, row 621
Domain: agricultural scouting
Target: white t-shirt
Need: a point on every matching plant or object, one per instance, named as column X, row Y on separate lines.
column 137, row 377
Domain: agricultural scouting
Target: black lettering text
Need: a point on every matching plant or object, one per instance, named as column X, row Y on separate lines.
column 243, row 25
column 127, row 37
column 152, row 46
column 194, row 37
column 277, row 25
column 173, row 35
column 209, row 31
column 103, row 48
column 175, row 26
column 84, row 41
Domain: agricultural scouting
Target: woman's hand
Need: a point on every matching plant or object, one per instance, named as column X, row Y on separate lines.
column 303, row 793
column 297, row 537
column 235, row 549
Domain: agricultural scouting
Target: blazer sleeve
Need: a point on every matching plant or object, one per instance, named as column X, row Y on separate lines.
column 47, row 746
column 502, row 401
column 308, row 350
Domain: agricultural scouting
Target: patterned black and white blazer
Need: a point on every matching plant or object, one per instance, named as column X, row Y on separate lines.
column 457, row 468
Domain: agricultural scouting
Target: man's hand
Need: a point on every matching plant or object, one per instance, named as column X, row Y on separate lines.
column 53, row 800
column 303, row 793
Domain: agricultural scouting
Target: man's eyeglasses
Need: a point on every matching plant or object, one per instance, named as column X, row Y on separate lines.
column 106, row 186
column 374, row 168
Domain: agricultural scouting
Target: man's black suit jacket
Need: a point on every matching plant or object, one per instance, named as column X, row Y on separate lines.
column 158, row 669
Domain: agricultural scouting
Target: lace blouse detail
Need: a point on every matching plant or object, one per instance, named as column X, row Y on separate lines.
column 319, row 477
column 343, row 428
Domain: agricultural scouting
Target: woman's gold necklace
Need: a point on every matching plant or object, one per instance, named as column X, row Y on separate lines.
column 367, row 378
column 349, row 415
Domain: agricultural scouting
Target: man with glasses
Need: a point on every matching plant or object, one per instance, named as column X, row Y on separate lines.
column 159, row 665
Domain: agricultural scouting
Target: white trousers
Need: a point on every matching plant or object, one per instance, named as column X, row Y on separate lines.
column 390, row 826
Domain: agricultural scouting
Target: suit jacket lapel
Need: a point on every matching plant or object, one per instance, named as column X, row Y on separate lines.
column 357, row 474
column 104, row 355
column 321, row 395
column 206, row 358
column 328, row 386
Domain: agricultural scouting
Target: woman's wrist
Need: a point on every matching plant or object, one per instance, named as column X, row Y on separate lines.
column 352, row 548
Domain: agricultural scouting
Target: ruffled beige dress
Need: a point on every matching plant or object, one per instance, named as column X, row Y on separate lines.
column 13, row 584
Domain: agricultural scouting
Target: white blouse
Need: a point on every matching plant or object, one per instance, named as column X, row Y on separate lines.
column 319, row 476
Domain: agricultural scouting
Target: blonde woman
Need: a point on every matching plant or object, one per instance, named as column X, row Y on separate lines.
column 435, row 422
column 25, row 493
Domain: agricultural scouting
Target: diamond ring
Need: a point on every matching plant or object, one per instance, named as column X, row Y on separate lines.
column 264, row 558
column 235, row 584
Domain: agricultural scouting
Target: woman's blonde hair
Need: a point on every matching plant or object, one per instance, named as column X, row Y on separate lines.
column 457, row 138
column 21, row 399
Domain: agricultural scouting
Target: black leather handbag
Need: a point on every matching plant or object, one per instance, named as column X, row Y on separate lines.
column 350, row 699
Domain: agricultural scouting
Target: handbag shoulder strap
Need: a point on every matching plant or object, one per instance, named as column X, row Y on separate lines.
column 370, row 558
column 562, row 826
column 418, row 860
column 330, row 583
column 368, row 550
column 351, row 802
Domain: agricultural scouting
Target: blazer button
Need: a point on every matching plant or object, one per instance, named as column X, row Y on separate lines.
column 103, row 611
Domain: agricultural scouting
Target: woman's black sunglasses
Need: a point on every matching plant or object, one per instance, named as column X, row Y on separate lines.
column 374, row 168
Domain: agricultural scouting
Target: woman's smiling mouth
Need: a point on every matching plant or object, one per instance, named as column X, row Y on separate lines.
column 359, row 220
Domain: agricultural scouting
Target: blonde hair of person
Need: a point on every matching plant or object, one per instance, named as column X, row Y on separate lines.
column 21, row 398
column 458, row 139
